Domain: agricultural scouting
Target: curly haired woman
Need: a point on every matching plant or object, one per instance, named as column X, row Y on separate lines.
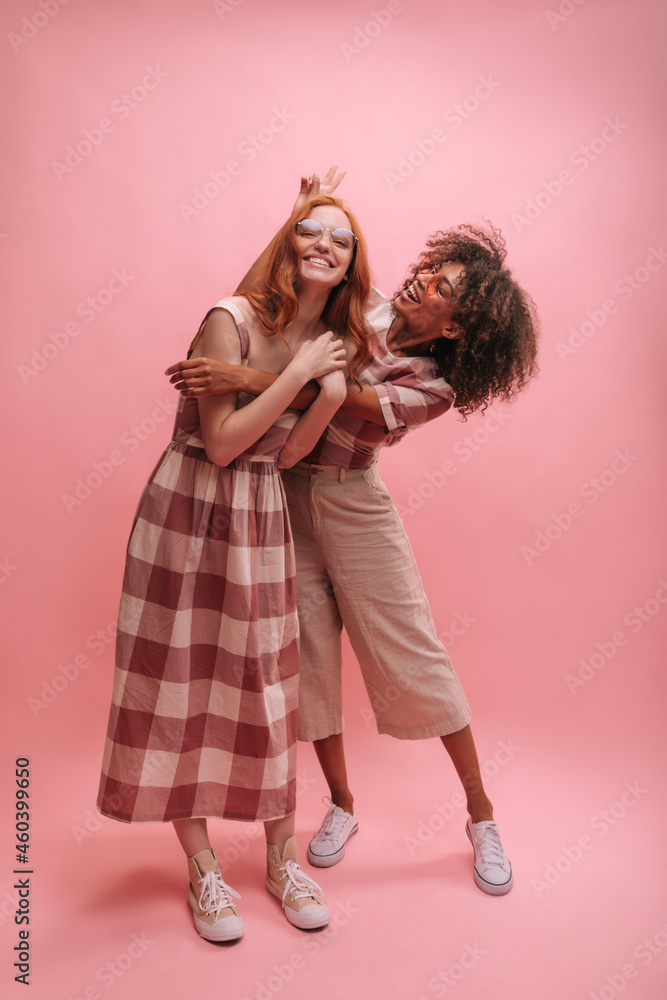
column 460, row 332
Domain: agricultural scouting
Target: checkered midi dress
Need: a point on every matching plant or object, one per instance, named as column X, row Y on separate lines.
column 204, row 706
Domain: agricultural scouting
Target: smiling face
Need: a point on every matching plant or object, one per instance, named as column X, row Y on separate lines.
column 321, row 262
column 428, row 308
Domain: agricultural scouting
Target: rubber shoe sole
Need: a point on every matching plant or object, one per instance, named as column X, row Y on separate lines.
column 227, row 929
column 307, row 919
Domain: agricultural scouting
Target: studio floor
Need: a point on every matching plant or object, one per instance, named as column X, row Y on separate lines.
column 586, row 917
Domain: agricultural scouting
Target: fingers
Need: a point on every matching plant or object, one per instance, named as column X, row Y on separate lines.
column 332, row 366
column 337, row 343
column 337, row 359
column 185, row 382
column 173, row 369
column 334, row 177
column 180, row 379
column 337, row 179
column 337, row 346
column 188, row 365
column 314, row 185
column 195, row 392
column 195, row 368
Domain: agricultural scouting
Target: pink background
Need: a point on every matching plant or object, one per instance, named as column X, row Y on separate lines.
column 522, row 590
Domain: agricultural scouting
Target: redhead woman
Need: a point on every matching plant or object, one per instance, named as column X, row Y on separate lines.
column 203, row 720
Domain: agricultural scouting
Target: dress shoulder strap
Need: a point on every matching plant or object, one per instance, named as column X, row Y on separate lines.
column 239, row 319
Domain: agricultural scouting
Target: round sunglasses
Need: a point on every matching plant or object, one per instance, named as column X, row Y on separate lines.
column 341, row 239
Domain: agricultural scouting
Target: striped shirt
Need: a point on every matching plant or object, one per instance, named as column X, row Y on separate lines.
column 410, row 395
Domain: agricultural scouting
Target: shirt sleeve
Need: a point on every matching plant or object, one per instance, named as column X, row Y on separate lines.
column 410, row 402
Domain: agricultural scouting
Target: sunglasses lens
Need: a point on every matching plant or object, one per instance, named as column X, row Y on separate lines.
column 309, row 229
column 343, row 239
column 438, row 285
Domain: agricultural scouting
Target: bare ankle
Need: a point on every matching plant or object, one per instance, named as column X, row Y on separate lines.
column 344, row 801
column 480, row 812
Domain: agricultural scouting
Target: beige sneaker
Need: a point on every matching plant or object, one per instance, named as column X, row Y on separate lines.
column 216, row 917
column 301, row 896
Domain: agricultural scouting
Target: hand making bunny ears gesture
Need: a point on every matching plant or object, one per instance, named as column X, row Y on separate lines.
column 314, row 185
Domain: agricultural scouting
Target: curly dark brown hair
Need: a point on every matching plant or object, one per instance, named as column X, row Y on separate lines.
column 496, row 356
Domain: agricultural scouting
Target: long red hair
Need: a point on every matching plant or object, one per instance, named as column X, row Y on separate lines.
column 274, row 296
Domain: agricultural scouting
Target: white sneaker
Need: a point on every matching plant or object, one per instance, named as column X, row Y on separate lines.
column 301, row 896
column 493, row 871
column 212, row 900
column 328, row 845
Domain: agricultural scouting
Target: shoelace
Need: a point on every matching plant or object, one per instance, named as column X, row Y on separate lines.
column 489, row 846
column 298, row 882
column 215, row 894
column 333, row 822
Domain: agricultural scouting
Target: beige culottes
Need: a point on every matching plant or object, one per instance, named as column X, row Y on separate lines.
column 355, row 567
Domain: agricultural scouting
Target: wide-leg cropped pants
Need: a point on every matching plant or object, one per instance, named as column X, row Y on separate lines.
column 355, row 567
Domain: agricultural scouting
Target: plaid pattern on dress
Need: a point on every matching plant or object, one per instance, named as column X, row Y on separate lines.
column 409, row 393
column 204, row 706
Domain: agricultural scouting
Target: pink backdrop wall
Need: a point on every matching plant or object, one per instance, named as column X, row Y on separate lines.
column 543, row 550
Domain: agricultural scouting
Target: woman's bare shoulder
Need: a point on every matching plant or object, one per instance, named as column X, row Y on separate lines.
column 242, row 304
